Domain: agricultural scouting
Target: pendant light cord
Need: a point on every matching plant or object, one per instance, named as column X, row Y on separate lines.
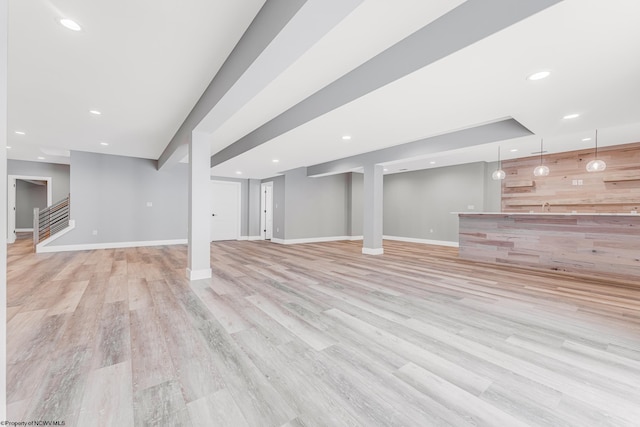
column 540, row 152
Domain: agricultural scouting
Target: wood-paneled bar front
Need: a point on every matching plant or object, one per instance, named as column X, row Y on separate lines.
column 605, row 244
column 570, row 220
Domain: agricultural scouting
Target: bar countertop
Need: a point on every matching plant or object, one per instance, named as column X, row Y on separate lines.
column 545, row 214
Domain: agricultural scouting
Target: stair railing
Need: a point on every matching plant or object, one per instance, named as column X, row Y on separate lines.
column 50, row 220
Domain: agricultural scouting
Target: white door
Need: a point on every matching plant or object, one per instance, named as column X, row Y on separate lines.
column 266, row 210
column 225, row 210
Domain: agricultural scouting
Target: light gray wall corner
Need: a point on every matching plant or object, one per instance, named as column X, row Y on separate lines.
column 273, row 15
column 315, row 207
column 278, row 205
column 492, row 189
column 109, row 194
column 356, row 203
column 244, row 201
column 348, row 197
column 418, row 204
column 59, row 174
column 253, row 198
column 28, row 196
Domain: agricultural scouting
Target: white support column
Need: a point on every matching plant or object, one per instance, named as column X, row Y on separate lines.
column 199, row 266
column 372, row 223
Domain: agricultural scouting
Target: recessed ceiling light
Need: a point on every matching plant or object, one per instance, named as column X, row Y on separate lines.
column 346, row 137
column 513, row 150
column 238, row 173
column 95, row 112
column 586, row 139
column 40, row 158
column 385, row 170
column 539, row 75
column 8, row 147
column 19, row 132
column 571, row 116
column 104, row 143
column 70, row 24
column 432, row 163
column 275, row 160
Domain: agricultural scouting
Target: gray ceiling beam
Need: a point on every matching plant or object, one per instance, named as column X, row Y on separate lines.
column 470, row 22
column 483, row 134
column 270, row 20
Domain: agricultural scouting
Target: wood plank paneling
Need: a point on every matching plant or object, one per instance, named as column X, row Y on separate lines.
column 602, row 244
column 617, row 189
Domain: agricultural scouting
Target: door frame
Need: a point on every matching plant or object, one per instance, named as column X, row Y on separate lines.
column 239, row 186
column 11, row 200
column 264, row 207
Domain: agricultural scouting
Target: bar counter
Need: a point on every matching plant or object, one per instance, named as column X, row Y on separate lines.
column 605, row 244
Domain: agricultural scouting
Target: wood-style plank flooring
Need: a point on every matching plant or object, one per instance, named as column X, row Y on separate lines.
column 315, row 335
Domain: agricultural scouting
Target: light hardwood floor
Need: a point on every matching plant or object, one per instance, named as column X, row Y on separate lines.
column 315, row 335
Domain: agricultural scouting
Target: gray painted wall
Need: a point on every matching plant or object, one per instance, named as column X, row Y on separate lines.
column 415, row 203
column 59, row 175
column 28, row 196
column 109, row 194
column 315, row 207
column 253, row 199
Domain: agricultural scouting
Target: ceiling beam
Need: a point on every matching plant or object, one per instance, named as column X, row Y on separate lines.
column 501, row 130
column 267, row 24
column 280, row 34
column 468, row 23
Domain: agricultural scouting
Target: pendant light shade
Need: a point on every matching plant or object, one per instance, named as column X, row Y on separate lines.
column 596, row 165
column 541, row 170
column 498, row 174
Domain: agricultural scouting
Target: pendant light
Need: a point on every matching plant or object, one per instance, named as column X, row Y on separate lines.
column 596, row 165
column 498, row 174
column 541, row 170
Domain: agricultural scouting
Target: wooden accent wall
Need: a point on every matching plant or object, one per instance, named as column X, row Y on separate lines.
column 615, row 190
column 601, row 244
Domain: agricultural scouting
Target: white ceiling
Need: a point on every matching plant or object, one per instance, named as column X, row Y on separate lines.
column 143, row 65
column 144, row 68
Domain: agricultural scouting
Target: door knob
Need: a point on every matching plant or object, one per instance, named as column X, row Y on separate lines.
column 213, row 214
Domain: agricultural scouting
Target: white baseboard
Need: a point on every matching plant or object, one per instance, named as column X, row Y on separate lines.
column 42, row 246
column 111, row 245
column 314, row 240
column 204, row 273
column 24, row 230
column 243, row 238
column 370, row 251
column 250, row 238
column 423, row 241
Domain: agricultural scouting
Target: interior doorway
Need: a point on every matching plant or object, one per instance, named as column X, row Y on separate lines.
column 19, row 201
column 266, row 210
column 225, row 210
